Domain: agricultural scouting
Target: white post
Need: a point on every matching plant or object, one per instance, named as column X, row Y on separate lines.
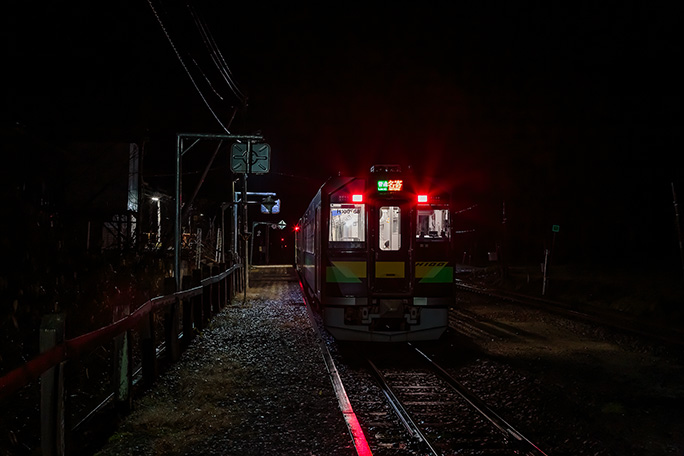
column 159, row 222
column 545, row 270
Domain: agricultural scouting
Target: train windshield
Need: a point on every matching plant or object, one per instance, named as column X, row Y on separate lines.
column 347, row 223
column 390, row 228
column 432, row 223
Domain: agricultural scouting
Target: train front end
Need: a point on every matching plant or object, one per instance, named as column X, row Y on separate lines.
column 387, row 270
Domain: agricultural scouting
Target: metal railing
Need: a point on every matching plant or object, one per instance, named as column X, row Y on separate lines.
column 162, row 327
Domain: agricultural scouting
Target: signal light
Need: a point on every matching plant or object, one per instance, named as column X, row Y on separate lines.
column 422, row 198
column 296, row 228
column 357, row 198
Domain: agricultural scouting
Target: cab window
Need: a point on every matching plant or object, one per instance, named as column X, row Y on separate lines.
column 432, row 223
column 347, row 223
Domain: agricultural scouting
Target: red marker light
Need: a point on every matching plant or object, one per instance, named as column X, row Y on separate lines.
column 422, row 198
column 357, row 198
column 296, row 228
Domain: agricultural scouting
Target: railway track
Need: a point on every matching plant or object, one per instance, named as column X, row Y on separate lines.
column 439, row 415
column 614, row 319
column 414, row 406
column 406, row 405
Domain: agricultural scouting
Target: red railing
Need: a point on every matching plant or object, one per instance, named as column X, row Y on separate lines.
column 189, row 309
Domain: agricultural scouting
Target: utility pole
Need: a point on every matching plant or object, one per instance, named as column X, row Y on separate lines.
column 261, row 161
column 245, row 227
column 545, row 271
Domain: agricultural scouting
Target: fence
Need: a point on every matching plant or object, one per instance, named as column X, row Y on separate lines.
column 162, row 328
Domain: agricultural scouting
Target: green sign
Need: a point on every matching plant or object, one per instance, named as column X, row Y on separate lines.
column 393, row 185
column 255, row 159
column 555, row 228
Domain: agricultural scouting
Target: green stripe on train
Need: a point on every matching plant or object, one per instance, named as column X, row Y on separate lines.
column 434, row 272
column 345, row 272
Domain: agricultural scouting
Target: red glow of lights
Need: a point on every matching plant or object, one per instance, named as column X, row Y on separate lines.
column 360, row 442
column 296, row 228
column 357, row 198
column 422, row 198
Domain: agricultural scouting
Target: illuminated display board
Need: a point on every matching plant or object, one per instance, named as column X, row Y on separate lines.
column 390, row 185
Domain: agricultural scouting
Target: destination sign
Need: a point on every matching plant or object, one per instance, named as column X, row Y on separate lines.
column 392, row 185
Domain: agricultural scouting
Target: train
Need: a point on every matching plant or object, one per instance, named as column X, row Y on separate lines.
column 374, row 255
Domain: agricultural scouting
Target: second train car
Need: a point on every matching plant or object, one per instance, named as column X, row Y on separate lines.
column 375, row 254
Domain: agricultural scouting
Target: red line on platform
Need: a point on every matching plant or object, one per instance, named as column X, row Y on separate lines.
column 357, row 435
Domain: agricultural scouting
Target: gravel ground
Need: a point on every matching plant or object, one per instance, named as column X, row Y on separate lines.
column 254, row 383
column 575, row 388
column 571, row 387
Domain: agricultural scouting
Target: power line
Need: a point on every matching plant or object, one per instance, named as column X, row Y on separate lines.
column 185, row 68
column 216, row 56
column 211, row 86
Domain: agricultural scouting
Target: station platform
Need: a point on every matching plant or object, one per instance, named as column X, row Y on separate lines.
column 253, row 383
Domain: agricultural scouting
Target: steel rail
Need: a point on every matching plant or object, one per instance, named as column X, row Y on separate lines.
column 405, row 418
column 353, row 426
column 613, row 319
column 507, row 429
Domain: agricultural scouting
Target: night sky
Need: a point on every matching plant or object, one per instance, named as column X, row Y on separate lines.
column 568, row 113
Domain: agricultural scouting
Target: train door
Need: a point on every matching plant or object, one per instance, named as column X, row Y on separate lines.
column 317, row 247
column 391, row 274
column 432, row 253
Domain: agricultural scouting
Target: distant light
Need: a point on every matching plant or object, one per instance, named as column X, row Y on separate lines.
column 422, row 198
column 357, row 198
column 296, row 228
column 155, row 198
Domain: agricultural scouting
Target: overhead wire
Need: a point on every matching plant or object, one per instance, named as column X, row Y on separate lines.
column 216, row 55
column 187, row 70
column 206, row 78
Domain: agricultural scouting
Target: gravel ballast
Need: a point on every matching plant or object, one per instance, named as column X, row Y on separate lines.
column 253, row 383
